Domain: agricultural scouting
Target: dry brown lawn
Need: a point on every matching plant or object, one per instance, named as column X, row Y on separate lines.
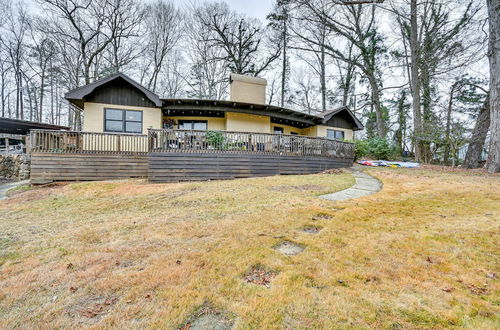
column 422, row 253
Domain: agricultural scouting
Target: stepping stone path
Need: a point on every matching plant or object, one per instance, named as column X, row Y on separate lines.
column 209, row 318
column 365, row 185
column 289, row 248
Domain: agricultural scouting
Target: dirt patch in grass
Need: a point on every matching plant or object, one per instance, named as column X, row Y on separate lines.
column 289, row 248
column 260, row 275
column 322, row 216
column 334, row 171
column 304, row 187
column 311, row 229
column 91, row 309
column 208, row 317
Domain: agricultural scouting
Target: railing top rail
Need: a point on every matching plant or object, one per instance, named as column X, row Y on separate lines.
column 254, row 133
column 81, row 132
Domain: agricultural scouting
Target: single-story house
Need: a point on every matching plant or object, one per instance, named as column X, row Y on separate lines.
column 121, row 105
column 129, row 131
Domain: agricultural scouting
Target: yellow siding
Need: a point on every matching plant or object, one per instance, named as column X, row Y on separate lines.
column 93, row 116
column 215, row 124
column 320, row 131
column 239, row 122
column 242, row 122
column 310, row 131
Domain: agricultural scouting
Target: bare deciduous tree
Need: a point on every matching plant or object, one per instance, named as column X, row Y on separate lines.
column 162, row 34
column 241, row 39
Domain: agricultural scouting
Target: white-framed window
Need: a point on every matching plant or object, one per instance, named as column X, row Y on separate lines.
column 335, row 134
column 123, row 121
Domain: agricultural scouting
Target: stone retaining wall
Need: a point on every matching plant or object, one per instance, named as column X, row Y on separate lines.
column 15, row 167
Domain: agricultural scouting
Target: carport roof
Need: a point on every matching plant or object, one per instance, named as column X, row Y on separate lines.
column 22, row 127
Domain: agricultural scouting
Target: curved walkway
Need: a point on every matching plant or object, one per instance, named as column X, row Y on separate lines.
column 7, row 186
column 365, row 185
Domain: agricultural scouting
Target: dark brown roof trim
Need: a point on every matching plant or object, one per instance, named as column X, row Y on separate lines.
column 327, row 115
column 80, row 93
column 242, row 107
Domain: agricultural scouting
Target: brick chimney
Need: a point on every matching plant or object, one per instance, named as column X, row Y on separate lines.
column 247, row 89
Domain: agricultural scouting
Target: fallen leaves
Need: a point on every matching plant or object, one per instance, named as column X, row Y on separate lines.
column 477, row 290
column 259, row 275
column 98, row 308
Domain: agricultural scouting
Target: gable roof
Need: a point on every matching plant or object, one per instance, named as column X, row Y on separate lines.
column 79, row 93
column 328, row 114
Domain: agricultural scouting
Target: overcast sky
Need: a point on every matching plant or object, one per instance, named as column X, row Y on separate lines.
column 253, row 8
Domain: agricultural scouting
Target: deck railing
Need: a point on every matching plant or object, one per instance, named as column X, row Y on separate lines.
column 87, row 142
column 171, row 140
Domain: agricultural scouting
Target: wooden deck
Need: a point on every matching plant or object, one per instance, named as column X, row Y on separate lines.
column 50, row 167
column 174, row 155
column 177, row 166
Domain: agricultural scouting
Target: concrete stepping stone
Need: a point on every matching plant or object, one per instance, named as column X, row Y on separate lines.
column 289, row 248
column 207, row 317
column 365, row 185
column 210, row 322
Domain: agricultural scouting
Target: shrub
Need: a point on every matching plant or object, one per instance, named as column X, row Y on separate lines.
column 215, row 139
column 376, row 147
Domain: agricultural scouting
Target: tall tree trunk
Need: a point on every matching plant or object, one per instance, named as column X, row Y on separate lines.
column 425, row 144
column 3, row 95
column 51, row 91
column 493, row 164
column 18, row 94
column 377, row 105
column 21, row 98
column 415, row 79
column 42, row 84
column 30, row 101
column 446, row 157
column 323, row 74
column 284, row 64
column 476, row 144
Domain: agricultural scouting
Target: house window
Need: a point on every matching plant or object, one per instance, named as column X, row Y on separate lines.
column 278, row 130
column 193, row 124
column 334, row 134
column 128, row 121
